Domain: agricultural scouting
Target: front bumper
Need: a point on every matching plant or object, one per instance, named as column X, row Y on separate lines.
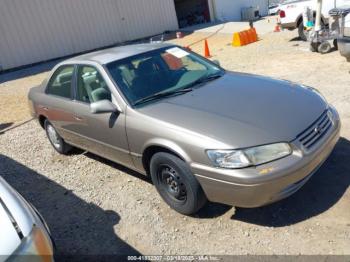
column 344, row 47
column 258, row 186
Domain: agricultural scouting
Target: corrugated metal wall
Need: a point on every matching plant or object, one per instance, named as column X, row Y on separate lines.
column 230, row 10
column 36, row 30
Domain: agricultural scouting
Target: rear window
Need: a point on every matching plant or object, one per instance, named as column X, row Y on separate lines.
column 60, row 83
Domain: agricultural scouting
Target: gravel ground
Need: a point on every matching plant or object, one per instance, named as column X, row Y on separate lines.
column 96, row 207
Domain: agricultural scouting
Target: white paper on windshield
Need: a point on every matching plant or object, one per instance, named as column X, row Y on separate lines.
column 177, row 52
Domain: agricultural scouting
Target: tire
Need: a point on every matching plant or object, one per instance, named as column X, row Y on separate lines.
column 176, row 184
column 335, row 44
column 314, row 47
column 56, row 140
column 324, row 48
column 301, row 32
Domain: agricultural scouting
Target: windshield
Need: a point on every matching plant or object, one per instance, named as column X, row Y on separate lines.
column 165, row 70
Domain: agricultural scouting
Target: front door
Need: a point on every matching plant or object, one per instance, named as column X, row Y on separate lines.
column 103, row 134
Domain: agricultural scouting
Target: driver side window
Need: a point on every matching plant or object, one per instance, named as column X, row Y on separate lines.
column 91, row 86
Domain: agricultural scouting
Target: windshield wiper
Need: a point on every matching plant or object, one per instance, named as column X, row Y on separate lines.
column 204, row 79
column 162, row 95
column 184, row 90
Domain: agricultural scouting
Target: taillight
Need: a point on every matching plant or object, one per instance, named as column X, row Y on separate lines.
column 282, row 14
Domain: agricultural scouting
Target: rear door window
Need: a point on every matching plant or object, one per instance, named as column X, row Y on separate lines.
column 60, row 83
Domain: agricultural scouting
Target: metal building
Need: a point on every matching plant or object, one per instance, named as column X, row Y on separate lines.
column 32, row 31
column 37, row 30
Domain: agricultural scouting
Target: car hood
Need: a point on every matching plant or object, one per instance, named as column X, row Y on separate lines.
column 242, row 110
column 303, row 2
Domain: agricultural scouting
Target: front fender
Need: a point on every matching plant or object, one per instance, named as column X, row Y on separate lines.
column 169, row 145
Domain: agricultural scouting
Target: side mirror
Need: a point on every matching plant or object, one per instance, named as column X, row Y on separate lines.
column 103, row 106
column 217, row 62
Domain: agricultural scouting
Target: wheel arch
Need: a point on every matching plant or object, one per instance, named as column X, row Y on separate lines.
column 300, row 19
column 42, row 120
column 162, row 146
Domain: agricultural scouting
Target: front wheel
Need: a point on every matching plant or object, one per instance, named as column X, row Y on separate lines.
column 55, row 139
column 176, row 184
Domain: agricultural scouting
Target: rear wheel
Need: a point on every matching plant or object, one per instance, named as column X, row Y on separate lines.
column 303, row 33
column 335, row 44
column 176, row 184
column 314, row 47
column 55, row 139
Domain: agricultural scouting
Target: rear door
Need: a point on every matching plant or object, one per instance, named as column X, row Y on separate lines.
column 103, row 134
column 57, row 104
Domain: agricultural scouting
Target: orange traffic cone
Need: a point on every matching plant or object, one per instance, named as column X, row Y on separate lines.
column 206, row 49
column 277, row 28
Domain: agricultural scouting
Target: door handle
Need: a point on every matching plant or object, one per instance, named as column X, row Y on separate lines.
column 44, row 108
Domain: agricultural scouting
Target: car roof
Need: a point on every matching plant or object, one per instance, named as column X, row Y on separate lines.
column 108, row 55
column 288, row 2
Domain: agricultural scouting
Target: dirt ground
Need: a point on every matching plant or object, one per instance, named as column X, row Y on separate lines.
column 96, row 207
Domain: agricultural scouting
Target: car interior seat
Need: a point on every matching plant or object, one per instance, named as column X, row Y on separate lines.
column 95, row 87
column 63, row 84
column 99, row 89
column 148, row 79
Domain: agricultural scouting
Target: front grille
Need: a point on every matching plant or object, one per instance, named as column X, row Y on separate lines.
column 316, row 131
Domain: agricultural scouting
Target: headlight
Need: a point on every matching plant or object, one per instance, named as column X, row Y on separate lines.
column 228, row 159
column 36, row 243
column 248, row 157
column 331, row 116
